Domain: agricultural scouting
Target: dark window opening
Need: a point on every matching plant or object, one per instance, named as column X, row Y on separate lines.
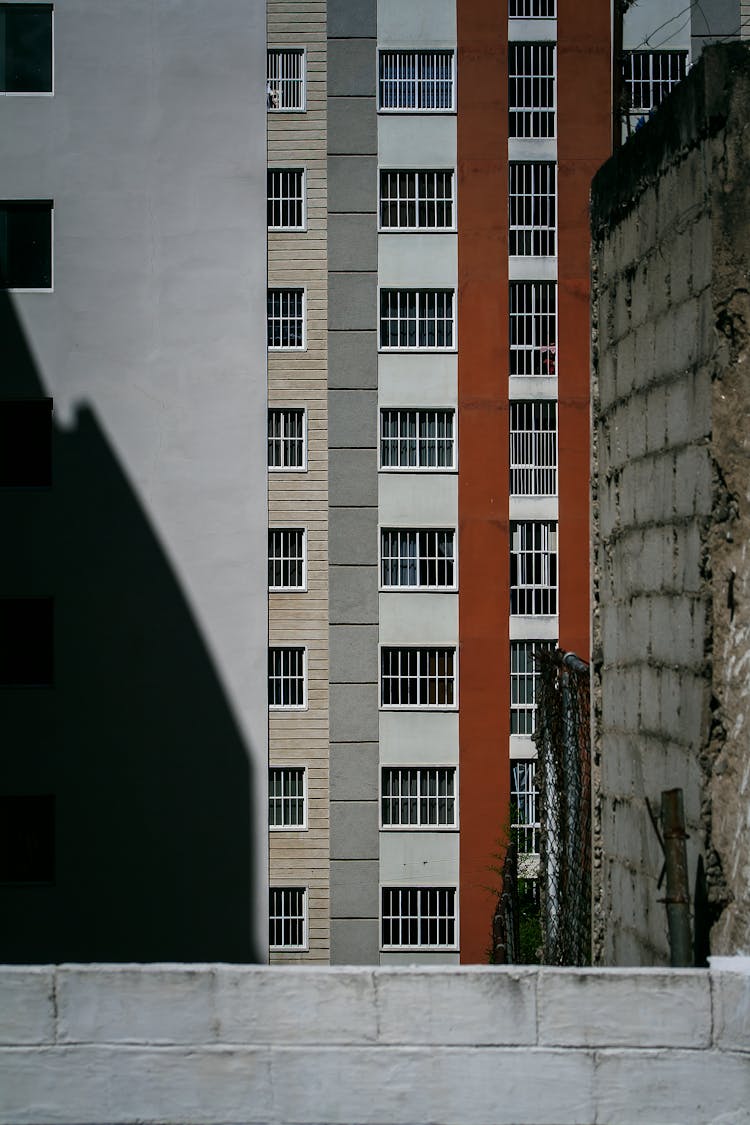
column 26, row 443
column 27, row 839
column 26, row 244
column 26, row 48
column 26, row 642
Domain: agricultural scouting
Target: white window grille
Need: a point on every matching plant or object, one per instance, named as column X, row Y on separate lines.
column 533, row 327
column 287, row 917
column 418, row 798
column 533, row 568
column 532, row 207
column 524, row 684
column 286, row 198
column 419, row 917
column 417, row 559
column 416, row 319
column 531, row 89
column 286, row 558
column 286, row 319
column 286, row 439
column 286, row 677
column 421, row 440
column 532, row 9
column 285, row 81
column 533, row 448
column 416, row 200
column 649, row 76
column 286, row 797
column 524, row 806
column 417, row 677
column 420, row 81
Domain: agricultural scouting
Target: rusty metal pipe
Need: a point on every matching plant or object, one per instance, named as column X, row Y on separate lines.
column 678, row 888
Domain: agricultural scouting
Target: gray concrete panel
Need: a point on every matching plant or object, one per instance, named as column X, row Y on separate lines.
column 352, row 419
column 354, row 888
column 353, row 478
column 354, row 771
column 354, row 941
column 352, row 301
column 352, row 360
column 354, row 831
column 352, row 126
column 354, row 654
column 352, row 18
column 353, row 595
column 354, row 712
column 352, row 243
column 353, row 536
column 352, row 65
column 352, row 184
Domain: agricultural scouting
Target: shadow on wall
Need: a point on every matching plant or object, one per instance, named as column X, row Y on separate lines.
column 150, row 774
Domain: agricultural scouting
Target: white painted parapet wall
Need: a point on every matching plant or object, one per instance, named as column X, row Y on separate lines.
column 228, row 1045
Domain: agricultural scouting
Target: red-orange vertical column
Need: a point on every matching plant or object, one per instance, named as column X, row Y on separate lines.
column 584, row 142
column 482, row 30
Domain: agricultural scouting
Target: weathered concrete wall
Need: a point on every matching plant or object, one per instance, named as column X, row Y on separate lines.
column 671, row 314
column 220, row 1043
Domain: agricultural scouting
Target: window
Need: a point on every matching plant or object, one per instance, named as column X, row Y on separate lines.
column 25, row 48
column 532, row 208
column 285, row 83
column 418, row 559
column 524, row 807
column 26, row 244
column 286, row 558
column 286, row 318
column 533, row 327
column 287, row 917
column 416, row 80
column 286, row 198
column 287, row 439
column 26, row 443
column 416, row 319
column 417, row 439
column 26, row 642
column 524, row 684
column 417, row 677
column 286, row 797
column 286, row 677
column 416, row 200
column 27, row 839
column 533, row 448
column 418, row 798
column 532, row 9
column 533, row 568
column 650, row 75
column 419, row 917
column 531, row 89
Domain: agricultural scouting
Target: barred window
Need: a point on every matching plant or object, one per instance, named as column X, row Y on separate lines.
column 417, row 559
column 418, row 798
column 416, row 200
column 524, row 807
column 533, row 448
column 285, row 83
column 524, row 684
column 416, row 80
column 286, row 677
column 286, row 318
column 287, row 917
column 532, row 207
column 417, row 439
column 533, row 568
column 532, row 9
column 416, row 318
column 286, row 198
column 533, row 327
column 419, row 917
column 286, row 439
column 531, row 89
column 650, row 75
column 417, row 677
column 286, row 797
column 286, row 558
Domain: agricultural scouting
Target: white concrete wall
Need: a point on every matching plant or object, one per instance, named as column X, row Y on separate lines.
column 218, row 1043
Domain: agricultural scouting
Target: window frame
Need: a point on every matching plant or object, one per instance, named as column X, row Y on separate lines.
column 530, row 796
column 36, row 288
column 418, row 530
column 287, row 410
column 36, row 93
column 520, row 113
column 533, row 444
column 525, row 234
column 541, row 554
column 305, row 917
column 417, row 172
column 302, row 588
column 416, row 52
column 425, row 650
column 532, row 312
column 637, row 111
column 419, row 826
column 418, row 410
column 303, row 315
column 523, row 708
column 302, row 169
column 288, row 49
column 287, row 767
column 289, row 706
column 421, row 293
column 425, row 887
column 531, row 3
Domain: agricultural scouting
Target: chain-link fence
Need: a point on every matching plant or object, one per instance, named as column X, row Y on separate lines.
column 563, row 777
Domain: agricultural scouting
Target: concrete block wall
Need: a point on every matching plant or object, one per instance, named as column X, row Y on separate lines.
column 221, row 1043
column 671, row 248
